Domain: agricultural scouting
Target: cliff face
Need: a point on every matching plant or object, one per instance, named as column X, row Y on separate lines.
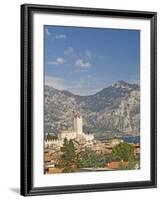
column 115, row 109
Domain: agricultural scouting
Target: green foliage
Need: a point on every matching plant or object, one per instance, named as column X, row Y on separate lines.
column 68, row 159
column 89, row 158
column 132, row 164
column 123, row 151
column 71, row 161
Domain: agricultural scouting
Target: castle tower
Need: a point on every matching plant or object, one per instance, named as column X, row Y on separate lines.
column 78, row 124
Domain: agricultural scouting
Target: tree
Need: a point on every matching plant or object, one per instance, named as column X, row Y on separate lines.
column 68, row 160
column 91, row 159
column 124, row 152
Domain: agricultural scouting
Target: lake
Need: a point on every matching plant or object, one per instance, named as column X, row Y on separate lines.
column 126, row 138
column 131, row 139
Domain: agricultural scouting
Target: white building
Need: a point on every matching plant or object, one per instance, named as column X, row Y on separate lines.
column 77, row 131
column 69, row 134
column 78, row 124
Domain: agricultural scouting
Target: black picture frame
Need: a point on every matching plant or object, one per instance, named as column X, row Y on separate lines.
column 27, row 11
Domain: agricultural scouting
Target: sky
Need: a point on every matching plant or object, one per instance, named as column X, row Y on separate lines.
column 86, row 60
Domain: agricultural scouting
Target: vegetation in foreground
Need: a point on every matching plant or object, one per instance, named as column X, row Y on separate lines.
column 71, row 161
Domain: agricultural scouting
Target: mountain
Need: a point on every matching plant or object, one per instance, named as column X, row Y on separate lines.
column 113, row 110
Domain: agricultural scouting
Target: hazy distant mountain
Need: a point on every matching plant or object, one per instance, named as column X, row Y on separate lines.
column 115, row 109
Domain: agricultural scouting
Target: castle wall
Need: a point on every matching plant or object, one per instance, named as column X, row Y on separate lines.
column 77, row 132
column 69, row 135
column 89, row 137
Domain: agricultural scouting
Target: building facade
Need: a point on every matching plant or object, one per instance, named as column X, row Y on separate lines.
column 77, row 130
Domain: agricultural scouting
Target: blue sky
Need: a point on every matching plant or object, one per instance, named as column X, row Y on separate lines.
column 86, row 60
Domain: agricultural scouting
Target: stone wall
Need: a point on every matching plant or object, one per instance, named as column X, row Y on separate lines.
column 67, row 134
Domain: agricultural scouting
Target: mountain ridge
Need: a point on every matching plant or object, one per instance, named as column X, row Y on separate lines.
column 114, row 109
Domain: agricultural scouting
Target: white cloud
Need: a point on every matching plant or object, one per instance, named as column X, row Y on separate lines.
column 60, row 36
column 55, row 37
column 57, row 83
column 78, row 87
column 47, row 32
column 69, row 51
column 58, row 61
column 84, row 86
column 81, row 60
column 82, row 64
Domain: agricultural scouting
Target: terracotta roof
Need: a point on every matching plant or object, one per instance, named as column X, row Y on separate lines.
column 116, row 164
column 137, row 145
column 54, row 170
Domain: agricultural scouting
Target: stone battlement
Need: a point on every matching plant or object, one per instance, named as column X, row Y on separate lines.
column 77, row 130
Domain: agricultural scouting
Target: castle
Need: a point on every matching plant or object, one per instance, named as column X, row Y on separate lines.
column 77, row 131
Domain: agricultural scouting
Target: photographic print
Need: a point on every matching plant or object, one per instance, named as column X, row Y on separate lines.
column 88, row 99
column 91, row 99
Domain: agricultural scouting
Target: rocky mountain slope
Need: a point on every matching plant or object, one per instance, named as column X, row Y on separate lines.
column 113, row 110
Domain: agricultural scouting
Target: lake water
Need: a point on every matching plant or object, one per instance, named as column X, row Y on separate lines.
column 131, row 139
column 126, row 138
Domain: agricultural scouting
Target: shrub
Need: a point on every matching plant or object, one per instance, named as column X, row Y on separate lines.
column 91, row 159
column 123, row 152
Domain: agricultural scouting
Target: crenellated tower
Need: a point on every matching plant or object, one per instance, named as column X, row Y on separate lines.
column 78, row 124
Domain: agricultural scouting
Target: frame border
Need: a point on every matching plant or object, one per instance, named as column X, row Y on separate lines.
column 26, row 132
